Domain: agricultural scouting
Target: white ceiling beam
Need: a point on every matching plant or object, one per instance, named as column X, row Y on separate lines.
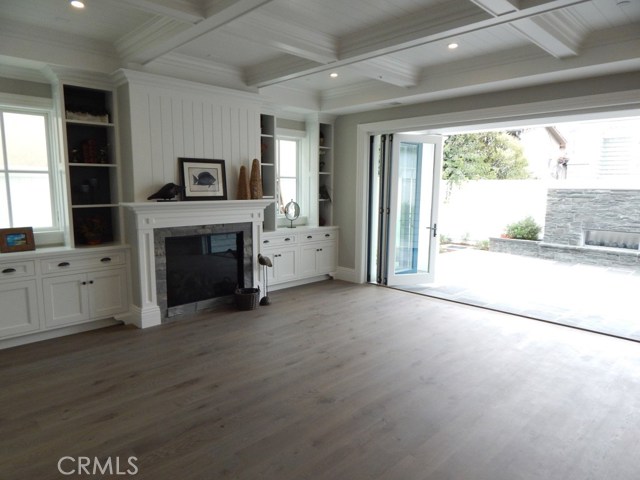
column 557, row 35
column 435, row 24
column 182, row 10
column 219, row 14
column 497, row 7
column 554, row 35
column 388, row 70
column 288, row 38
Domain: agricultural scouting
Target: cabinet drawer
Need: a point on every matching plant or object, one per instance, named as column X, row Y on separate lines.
column 318, row 236
column 12, row 270
column 278, row 241
column 65, row 264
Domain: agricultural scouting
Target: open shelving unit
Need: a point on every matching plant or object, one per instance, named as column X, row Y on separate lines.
column 325, row 174
column 92, row 165
column 268, row 168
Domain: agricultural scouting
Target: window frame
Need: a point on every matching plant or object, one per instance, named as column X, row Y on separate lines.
column 302, row 174
column 280, row 138
column 19, row 104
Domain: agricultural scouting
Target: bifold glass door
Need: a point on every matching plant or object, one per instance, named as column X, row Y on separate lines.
column 404, row 194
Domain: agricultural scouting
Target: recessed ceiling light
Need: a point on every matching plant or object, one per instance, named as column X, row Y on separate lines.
column 452, row 46
column 77, row 4
column 333, row 75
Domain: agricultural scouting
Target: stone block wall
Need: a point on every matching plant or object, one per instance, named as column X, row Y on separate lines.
column 528, row 248
column 571, row 211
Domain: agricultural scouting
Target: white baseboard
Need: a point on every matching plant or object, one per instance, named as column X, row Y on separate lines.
column 143, row 317
column 347, row 275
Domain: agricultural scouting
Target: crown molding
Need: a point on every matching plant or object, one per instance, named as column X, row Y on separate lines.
column 186, row 87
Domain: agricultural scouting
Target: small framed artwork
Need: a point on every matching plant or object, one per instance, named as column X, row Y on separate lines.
column 16, row 239
column 203, row 179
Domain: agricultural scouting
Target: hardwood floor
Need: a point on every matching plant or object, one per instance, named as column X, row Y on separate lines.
column 332, row 381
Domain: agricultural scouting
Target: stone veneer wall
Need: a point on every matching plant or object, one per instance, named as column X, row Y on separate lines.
column 160, row 234
column 527, row 248
column 571, row 211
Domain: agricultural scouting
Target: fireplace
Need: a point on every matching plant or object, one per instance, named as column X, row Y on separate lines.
column 147, row 222
column 199, row 267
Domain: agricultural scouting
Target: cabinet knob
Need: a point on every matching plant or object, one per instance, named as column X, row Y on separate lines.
column 309, row 236
column 265, row 241
column 64, row 264
column 287, row 239
column 90, row 282
column 9, row 270
column 105, row 259
column 84, row 283
column 327, row 235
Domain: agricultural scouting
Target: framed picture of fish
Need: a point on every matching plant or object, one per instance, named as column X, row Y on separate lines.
column 203, row 179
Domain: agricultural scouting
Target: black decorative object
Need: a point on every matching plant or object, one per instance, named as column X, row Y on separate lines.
column 167, row 193
column 266, row 263
column 324, row 193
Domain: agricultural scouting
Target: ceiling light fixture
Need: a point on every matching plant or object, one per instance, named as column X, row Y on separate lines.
column 333, row 75
column 452, row 46
column 76, row 4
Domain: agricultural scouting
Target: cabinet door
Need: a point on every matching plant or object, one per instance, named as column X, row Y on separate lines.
column 318, row 259
column 66, row 299
column 19, row 308
column 107, row 293
column 309, row 260
column 326, row 258
column 284, row 265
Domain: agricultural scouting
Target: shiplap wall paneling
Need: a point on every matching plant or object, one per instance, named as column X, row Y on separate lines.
column 170, row 124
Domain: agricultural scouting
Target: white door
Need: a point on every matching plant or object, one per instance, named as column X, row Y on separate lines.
column 412, row 208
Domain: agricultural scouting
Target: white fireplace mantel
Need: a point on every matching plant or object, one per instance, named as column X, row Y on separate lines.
column 142, row 218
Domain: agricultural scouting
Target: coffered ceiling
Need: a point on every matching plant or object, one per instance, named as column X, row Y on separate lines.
column 385, row 52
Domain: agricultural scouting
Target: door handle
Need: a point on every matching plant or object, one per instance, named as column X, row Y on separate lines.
column 435, row 229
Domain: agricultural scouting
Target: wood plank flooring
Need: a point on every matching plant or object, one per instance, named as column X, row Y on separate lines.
column 332, row 381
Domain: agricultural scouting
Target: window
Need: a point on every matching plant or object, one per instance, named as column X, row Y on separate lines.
column 26, row 197
column 287, row 172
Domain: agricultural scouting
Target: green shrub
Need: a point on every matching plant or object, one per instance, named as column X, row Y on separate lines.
column 526, row 229
column 482, row 245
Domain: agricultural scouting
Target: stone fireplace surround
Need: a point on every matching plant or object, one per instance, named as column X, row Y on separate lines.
column 143, row 218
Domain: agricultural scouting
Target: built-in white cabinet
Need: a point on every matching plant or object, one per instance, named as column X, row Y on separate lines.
column 285, row 264
column 318, row 259
column 301, row 254
column 18, row 298
column 43, row 291
column 81, row 297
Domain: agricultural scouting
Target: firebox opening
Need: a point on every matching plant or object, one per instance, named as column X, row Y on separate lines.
column 610, row 239
column 203, row 267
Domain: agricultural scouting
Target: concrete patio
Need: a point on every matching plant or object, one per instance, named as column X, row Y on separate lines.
column 590, row 297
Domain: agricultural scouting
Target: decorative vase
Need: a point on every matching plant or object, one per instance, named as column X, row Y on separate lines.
column 243, row 184
column 255, row 184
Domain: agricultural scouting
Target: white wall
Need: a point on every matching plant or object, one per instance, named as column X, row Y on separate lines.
column 481, row 209
column 172, row 119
